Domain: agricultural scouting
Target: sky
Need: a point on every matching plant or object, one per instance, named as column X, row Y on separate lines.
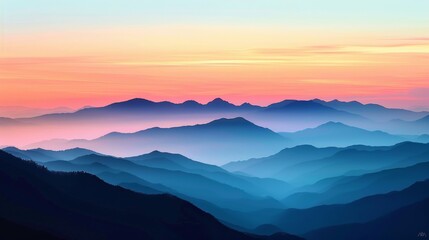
column 93, row 52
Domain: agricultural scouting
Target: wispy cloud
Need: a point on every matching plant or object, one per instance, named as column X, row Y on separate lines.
column 422, row 48
column 242, row 62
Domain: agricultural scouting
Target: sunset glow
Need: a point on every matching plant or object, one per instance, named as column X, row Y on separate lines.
column 74, row 54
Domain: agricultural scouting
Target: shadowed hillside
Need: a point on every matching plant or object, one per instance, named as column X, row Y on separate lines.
column 81, row 206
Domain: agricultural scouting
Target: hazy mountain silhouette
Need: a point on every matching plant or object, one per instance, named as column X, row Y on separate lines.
column 79, row 205
column 109, row 175
column 341, row 135
column 145, row 107
column 189, row 184
column 405, row 223
column 299, row 221
column 252, row 185
column 214, row 142
column 399, row 126
column 239, row 220
column 139, row 104
column 26, row 112
column 294, row 115
column 43, row 155
column 225, row 190
column 270, row 166
column 351, row 161
column 172, row 161
column 306, row 107
column 423, row 138
column 284, row 116
column 303, row 165
column 256, row 186
column 350, row 188
column 375, row 112
column 8, row 121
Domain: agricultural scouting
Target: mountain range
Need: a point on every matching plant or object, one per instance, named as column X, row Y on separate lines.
column 366, row 209
column 237, row 199
column 408, row 222
column 284, row 116
column 349, row 188
column 209, row 187
column 306, row 164
column 237, row 137
column 341, row 135
column 162, row 170
column 81, row 206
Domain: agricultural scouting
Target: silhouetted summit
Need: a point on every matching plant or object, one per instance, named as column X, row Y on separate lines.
column 132, row 103
column 232, row 122
column 238, row 138
column 339, row 134
column 220, row 103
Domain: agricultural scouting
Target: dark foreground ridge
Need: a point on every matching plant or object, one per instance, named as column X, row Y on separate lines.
column 51, row 205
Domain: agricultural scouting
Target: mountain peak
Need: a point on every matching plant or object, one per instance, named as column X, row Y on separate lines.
column 318, row 100
column 232, row 121
column 219, row 102
column 423, row 119
column 155, row 152
column 138, row 100
column 191, row 103
column 299, row 105
column 135, row 102
column 246, row 104
column 334, row 124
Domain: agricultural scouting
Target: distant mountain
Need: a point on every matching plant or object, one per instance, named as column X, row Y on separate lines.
column 294, row 115
column 240, row 220
column 172, row 161
column 341, row 135
column 423, row 138
column 353, row 160
column 423, row 121
column 43, row 155
column 189, row 184
column 26, row 112
column 66, row 166
column 252, row 185
column 8, row 121
column 138, row 113
column 410, row 222
column 109, row 175
column 78, row 205
column 419, row 126
column 350, row 188
column 305, row 107
column 142, row 105
column 215, row 142
column 306, row 164
column 372, row 111
column 299, row 221
column 222, row 189
column 255, row 186
column 270, row 166
column 220, row 104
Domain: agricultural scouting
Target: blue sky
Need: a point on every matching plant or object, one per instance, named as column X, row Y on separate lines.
column 21, row 14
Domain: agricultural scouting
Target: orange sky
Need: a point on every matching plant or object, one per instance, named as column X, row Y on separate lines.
column 74, row 66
